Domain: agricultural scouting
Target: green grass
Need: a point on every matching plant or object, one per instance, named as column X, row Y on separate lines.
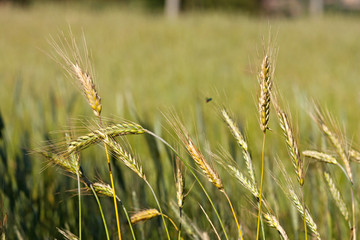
column 145, row 62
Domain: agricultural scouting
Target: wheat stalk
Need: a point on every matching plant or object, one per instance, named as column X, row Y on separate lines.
column 244, row 181
column 180, row 188
column 200, row 160
column 291, row 143
column 264, row 79
column 242, row 143
column 320, row 156
column 69, row 166
column 180, row 183
column 299, row 206
column 144, row 215
column 123, row 155
column 112, row 131
column 103, row 189
column 79, row 68
column 273, row 222
column 355, row 155
column 197, row 156
column 340, row 203
column 335, row 141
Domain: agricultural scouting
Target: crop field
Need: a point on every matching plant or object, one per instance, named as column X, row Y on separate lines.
column 198, row 83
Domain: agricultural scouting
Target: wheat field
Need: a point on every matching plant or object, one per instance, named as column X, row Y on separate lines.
column 194, row 82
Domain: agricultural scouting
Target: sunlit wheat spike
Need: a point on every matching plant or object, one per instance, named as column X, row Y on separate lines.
column 291, row 144
column 320, row 156
column 203, row 164
column 144, row 215
column 309, row 221
column 273, row 222
column 244, row 181
column 123, row 155
column 335, row 141
column 73, row 158
column 67, row 234
column 103, row 189
column 115, row 130
column 195, row 154
column 355, row 155
column 340, row 203
column 61, row 161
column 241, row 141
column 88, row 87
column 234, row 130
column 180, row 183
column 265, row 88
column 79, row 68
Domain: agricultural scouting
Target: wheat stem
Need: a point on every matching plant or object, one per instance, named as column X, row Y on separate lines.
column 233, row 212
column 101, row 211
column 79, row 197
column 353, row 213
column 194, row 175
column 112, row 183
column 261, row 184
column 157, row 202
column 303, row 203
column 128, row 219
column 114, row 193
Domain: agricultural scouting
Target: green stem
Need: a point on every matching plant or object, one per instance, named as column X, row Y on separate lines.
column 193, row 173
column 261, row 185
column 79, row 193
column 303, row 202
column 112, row 185
column 101, row 211
column 180, row 213
column 353, row 213
column 128, row 219
column 232, row 210
column 262, row 227
column 157, row 202
column 172, row 222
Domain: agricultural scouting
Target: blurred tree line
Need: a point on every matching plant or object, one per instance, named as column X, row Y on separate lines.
column 173, row 7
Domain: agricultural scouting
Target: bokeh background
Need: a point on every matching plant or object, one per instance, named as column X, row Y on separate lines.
column 152, row 57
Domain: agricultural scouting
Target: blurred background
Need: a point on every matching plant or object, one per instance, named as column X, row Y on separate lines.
column 156, row 56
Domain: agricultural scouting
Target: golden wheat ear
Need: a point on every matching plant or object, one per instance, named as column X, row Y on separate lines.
column 265, row 78
column 77, row 64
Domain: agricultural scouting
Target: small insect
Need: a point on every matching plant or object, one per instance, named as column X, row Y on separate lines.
column 208, row 99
